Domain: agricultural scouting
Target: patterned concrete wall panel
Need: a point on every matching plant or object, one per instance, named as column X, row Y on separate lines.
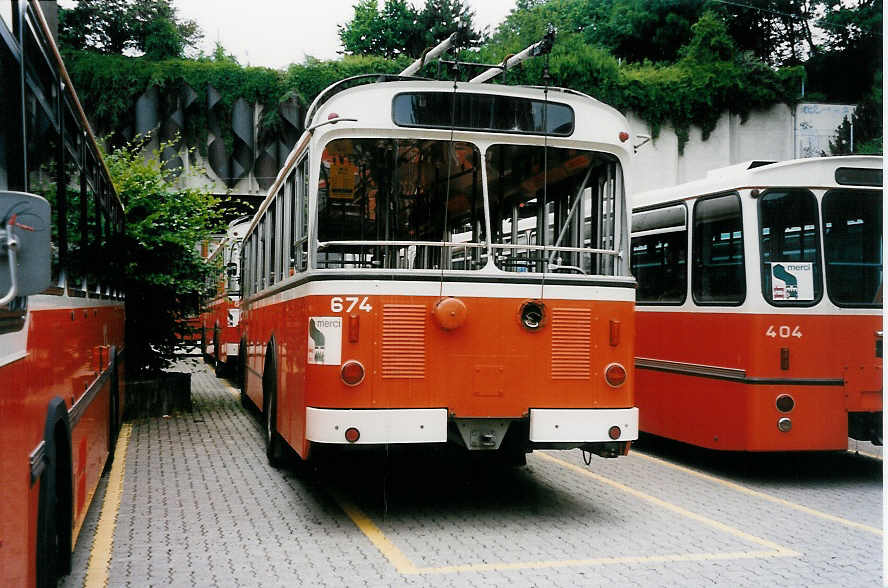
column 147, row 119
column 216, row 155
column 242, row 125
column 172, row 127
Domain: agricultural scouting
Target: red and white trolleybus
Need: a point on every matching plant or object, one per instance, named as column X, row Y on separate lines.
column 759, row 324
column 445, row 262
column 61, row 314
column 220, row 316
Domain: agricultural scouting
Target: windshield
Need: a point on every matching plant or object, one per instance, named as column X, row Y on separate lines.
column 550, row 207
column 397, row 203
column 852, row 243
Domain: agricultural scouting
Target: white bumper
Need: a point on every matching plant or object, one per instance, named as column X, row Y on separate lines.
column 566, row 425
column 406, row 425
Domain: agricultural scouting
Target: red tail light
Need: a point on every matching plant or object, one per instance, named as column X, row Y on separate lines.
column 615, row 375
column 352, row 434
column 352, row 373
column 614, row 432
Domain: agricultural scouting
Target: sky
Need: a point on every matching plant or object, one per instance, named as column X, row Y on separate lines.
column 276, row 33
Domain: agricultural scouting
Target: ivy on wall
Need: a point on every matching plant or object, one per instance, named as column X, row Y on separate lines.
column 707, row 80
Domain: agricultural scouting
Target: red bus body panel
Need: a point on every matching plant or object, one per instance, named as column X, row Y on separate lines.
column 68, row 351
column 738, row 415
column 490, row 367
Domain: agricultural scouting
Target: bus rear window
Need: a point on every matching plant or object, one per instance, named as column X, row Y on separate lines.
column 482, row 112
column 852, row 244
column 791, row 272
column 718, row 274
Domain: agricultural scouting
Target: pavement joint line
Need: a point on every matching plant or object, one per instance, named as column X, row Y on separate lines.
column 100, row 554
column 778, row 549
column 762, row 495
column 404, row 566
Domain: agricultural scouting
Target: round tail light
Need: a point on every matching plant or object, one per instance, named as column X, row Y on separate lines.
column 785, row 403
column 352, row 373
column 352, row 434
column 614, row 432
column 615, row 375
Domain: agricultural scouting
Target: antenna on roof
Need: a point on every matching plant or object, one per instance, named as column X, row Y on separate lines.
column 540, row 48
column 433, row 52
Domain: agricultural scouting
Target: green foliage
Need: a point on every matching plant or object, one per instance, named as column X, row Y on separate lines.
column 867, row 124
column 400, row 29
column 164, row 273
column 147, row 27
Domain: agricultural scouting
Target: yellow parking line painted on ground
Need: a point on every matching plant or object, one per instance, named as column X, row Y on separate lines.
column 100, row 555
column 369, row 528
column 674, row 508
column 404, row 566
column 762, row 495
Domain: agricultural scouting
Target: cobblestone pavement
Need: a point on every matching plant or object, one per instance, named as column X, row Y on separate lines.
column 200, row 506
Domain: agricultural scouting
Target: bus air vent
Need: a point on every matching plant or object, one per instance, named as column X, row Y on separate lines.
column 403, row 340
column 571, row 343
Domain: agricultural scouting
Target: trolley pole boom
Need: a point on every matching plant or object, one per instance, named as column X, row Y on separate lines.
column 430, row 54
column 539, row 48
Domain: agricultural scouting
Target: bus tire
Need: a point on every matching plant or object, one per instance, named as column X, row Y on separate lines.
column 242, row 373
column 113, row 406
column 274, row 444
column 219, row 367
column 54, row 514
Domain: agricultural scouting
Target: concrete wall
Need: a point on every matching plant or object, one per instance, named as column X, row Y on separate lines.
column 776, row 134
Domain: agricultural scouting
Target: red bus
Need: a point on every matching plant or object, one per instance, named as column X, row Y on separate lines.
column 444, row 263
column 772, row 340
column 61, row 314
column 220, row 318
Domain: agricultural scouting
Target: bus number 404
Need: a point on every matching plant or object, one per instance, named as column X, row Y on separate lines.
column 784, row 331
column 338, row 304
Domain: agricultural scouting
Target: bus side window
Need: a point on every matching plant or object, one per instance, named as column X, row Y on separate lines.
column 659, row 255
column 719, row 275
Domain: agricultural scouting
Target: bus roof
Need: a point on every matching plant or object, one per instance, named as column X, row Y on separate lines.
column 371, row 105
column 816, row 172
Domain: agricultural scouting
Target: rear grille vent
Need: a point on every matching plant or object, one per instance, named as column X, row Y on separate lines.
column 403, row 340
column 571, row 328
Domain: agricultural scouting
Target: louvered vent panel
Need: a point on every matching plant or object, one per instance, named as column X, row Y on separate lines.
column 571, row 329
column 403, row 340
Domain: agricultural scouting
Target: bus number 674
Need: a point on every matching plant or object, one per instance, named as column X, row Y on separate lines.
column 338, row 304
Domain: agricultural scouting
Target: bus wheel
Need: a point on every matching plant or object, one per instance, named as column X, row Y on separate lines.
column 54, row 510
column 242, row 374
column 274, row 444
column 219, row 368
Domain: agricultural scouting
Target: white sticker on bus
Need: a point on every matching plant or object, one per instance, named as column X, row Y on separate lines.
column 792, row 280
column 325, row 340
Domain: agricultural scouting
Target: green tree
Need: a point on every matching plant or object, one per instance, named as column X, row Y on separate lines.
column 146, row 27
column 866, row 124
column 400, row 29
column 163, row 272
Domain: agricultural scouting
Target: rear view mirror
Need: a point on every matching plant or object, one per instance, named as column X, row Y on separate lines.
column 24, row 245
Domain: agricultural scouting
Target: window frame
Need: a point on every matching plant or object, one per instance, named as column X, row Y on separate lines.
column 652, row 232
column 819, row 260
column 692, row 253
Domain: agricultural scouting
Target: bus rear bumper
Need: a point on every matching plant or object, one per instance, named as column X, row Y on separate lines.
column 584, row 425
column 374, row 426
